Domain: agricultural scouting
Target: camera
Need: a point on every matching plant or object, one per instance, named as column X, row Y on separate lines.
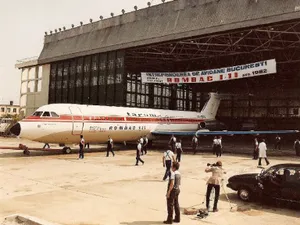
column 214, row 164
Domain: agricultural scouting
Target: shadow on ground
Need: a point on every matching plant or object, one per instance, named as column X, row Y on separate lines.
column 258, row 207
column 142, row 223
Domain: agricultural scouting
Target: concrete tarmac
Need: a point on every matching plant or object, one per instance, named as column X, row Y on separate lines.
column 99, row 190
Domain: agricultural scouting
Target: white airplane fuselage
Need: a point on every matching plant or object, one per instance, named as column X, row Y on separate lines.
column 64, row 123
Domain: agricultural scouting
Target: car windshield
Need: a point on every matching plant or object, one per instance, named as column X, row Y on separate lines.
column 37, row 113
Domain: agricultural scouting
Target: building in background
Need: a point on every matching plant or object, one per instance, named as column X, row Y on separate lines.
column 9, row 109
column 100, row 63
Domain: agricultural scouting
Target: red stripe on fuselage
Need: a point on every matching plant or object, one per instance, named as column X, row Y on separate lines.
column 111, row 119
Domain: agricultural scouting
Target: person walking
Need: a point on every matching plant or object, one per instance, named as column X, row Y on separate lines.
column 262, row 152
column 255, row 149
column 277, row 143
column 214, row 182
column 172, row 195
column 110, row 146
column 194, row 144
column 138, row 153
column 178, row 150
column 168, row 158
column 145, row 145
column 172, row 143
column 81, row 147
column 297, row 147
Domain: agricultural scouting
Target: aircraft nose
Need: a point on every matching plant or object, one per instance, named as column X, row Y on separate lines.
column 16, row 129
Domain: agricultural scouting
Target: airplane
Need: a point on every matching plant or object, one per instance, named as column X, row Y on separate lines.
column 64, row 123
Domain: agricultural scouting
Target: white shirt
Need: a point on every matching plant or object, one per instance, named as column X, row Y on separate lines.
column 178, row 145
column 195, row 140
column 139, row 147
column 110, row 140
column 141, row 140
column 146, row 140
column 82, row 141
column 262, row 150
column 168, row 155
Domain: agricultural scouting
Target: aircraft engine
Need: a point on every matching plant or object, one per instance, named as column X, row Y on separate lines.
column 211, row 125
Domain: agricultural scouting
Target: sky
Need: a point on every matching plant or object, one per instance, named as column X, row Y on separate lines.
column 24, row 22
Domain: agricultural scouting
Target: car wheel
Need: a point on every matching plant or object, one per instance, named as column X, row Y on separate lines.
column 244, row 194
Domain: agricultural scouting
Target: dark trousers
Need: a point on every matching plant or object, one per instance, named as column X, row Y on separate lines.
column 178, row 156
column 173, row 148
column 218, row 151
column 168, row 167
column 217, row 194
column 255, row 153
column 144, row 149
column 173, row 205
column 194, row 148
column 214, row 149
column 267, row 161
column 278, row 145
column 81, row 153
column 110, row 150
column 138, row 158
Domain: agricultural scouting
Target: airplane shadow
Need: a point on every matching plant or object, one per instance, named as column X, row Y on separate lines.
column 142, row 223
column 261, row 206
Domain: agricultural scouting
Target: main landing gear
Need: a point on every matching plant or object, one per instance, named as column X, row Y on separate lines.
column 67, row 150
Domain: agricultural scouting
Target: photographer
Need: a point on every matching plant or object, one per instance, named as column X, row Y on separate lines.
column 214, row 182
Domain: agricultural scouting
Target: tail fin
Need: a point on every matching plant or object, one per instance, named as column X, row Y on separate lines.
column 211, row 107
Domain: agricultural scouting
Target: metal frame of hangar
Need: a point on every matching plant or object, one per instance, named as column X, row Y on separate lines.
column 280, row 41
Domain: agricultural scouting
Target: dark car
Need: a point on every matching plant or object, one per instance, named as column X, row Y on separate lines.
column 280, row 182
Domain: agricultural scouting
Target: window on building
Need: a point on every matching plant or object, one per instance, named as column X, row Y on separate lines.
column 8, row 110
column 31, row 73
column 24, row 74
column 40, row 71
column 14, row 110
column 31, row 86
column 2, row 109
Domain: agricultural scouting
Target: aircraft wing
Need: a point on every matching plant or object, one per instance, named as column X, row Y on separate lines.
column 178, row 133
column 225, row 132
column 251, row 132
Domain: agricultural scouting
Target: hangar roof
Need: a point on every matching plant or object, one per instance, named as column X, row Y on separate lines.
column 165, row 22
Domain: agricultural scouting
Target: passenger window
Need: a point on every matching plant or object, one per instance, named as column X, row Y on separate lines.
column 53, row 114
column 46, row 114
column 37, row 113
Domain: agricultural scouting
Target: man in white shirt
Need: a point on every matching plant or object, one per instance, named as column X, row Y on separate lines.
column 168, row 158
column 218, row 146
column 81, row 145
column 262, row 152
column 278, row 143
column 178, row 150
column 145, row 145
column 194, row 144
column 172, row 143
column 138, row 153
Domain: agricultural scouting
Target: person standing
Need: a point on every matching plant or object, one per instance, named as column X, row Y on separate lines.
column 110, row 146
column 168, row 158
column 255, row 150
column 218, row 147
column 214, row 145
column 141, row 140
column 178, row 150
column 81, row 147
column 194, row 144
column 214, row 182
column 262, row 152
column 297, row 147
column 277, row 143
column 145, row 144
column 172, row 143
column 138, row 153
column 173, row 192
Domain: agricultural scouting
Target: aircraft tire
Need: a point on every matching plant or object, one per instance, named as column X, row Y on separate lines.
column 67, row 150
column 26, row 152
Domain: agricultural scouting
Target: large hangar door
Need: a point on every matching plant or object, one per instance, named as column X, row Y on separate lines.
column 77, row 119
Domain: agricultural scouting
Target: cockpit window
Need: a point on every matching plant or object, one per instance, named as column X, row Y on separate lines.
column 37, row 113
column 53, row 114
column 46, row 114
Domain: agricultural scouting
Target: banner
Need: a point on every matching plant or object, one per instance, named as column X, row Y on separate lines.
column 213, row 75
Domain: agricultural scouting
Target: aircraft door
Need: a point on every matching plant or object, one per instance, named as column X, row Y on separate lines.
column 77, row 120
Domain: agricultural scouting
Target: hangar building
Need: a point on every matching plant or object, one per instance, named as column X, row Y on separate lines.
column 101, row 62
